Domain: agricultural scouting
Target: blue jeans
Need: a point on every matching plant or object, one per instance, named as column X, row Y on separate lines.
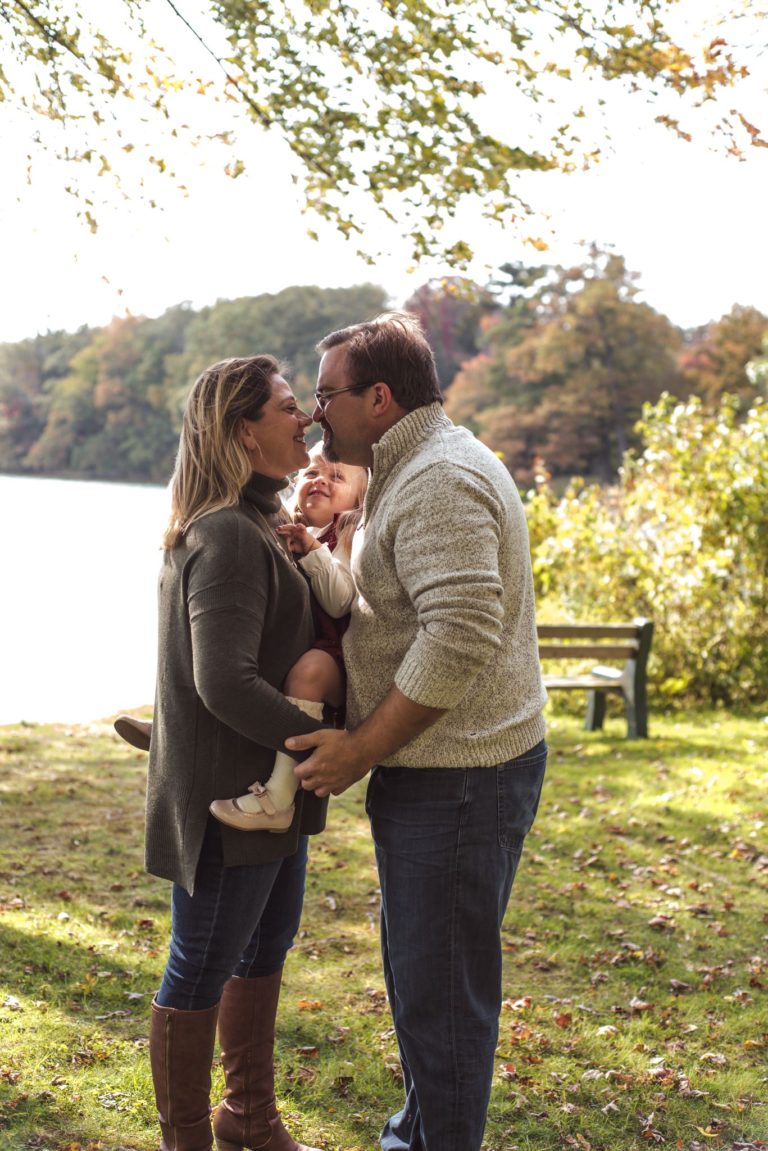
column 448, row 842
column 240, row 921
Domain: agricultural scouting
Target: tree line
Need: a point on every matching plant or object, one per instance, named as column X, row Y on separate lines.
column 550, row 366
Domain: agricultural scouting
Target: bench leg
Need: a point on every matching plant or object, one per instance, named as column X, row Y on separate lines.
column 595, row 711
column 637, row 717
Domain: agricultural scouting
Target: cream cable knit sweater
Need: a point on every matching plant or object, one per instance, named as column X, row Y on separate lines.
column 445, row 606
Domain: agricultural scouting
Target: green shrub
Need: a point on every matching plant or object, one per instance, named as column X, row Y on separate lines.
column 682, row 540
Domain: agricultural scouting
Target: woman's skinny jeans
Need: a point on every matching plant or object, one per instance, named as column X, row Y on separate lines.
column 239, row 921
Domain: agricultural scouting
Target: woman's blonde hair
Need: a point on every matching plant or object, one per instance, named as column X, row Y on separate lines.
column 212, row 465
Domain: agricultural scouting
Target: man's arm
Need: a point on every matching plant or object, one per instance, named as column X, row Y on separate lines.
column 341, row 758
column 451, row 576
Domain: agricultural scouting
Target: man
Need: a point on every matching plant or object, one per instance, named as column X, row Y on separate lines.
column 444, row 707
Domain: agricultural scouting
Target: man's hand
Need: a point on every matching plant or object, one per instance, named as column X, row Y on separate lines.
column 334, row 765
column 341, row 758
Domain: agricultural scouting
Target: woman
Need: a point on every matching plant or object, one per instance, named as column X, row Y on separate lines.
column 234, row 616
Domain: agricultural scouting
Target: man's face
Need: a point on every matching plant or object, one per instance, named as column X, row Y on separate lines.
column 347, row 431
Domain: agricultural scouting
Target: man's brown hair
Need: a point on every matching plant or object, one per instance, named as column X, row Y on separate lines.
column 390, row 349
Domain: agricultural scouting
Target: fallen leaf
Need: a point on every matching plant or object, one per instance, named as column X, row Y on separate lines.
column 518, row 1004
column 15, row 904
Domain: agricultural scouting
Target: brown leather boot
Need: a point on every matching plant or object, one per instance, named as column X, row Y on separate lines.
column 181, row 1053
column 247, row 1119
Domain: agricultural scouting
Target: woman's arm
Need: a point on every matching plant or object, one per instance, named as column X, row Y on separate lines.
column 235, row 582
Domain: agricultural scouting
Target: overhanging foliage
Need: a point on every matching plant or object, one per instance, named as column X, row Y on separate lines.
column 420, row 106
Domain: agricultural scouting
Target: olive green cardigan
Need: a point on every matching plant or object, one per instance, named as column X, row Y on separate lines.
column 234, row 616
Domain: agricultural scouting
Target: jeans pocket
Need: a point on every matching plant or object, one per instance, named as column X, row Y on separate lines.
column 519, row 783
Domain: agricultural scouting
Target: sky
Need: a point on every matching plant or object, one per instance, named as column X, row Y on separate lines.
column 689, row 220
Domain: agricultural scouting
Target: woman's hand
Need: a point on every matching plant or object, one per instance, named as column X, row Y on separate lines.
column 298, row 539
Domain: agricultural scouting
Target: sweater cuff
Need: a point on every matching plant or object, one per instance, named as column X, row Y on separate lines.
column 435, row 675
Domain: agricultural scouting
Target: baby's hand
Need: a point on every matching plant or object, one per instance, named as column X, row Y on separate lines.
column 298, row 539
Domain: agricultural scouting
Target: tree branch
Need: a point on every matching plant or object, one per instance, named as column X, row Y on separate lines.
column 258, row 112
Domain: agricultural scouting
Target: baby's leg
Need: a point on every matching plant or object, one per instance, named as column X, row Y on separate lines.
column 315, row 678
column 316, row 675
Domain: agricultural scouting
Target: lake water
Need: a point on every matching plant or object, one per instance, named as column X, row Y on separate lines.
column 78, row 585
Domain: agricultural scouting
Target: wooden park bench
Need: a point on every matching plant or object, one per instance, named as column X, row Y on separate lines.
column 630, row 642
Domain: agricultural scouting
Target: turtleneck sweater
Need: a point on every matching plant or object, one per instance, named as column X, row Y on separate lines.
column 234, row 616
column 445, row 605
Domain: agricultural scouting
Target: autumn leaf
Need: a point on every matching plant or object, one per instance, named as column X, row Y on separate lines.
column 715, row 1058
column 517, row 1004
column 342, row 1084
column 392, row 1064
column 679, row 986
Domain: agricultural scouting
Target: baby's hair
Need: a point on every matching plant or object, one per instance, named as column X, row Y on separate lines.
column 347, row 521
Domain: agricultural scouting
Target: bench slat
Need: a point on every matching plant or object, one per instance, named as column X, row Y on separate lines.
column 587, row 631
column 592, row 682
column 587, row 651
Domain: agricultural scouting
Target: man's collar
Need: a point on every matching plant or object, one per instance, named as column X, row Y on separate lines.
column 407, row 433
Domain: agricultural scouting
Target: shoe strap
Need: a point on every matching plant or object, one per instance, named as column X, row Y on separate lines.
column 263, row 796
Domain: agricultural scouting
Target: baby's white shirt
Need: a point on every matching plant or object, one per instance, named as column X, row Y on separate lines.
column 330, row 576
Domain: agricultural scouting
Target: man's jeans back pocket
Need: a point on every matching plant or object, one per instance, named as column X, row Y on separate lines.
column 519, row 783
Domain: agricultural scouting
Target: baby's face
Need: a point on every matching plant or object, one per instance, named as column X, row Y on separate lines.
column 323, row 490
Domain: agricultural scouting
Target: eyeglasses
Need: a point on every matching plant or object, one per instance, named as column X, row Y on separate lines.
column 323, row 399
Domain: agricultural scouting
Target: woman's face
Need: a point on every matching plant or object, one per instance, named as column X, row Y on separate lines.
column 275, row 442
column 323, row 490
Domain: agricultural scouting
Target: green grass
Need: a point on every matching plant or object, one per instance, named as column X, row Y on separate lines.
column 636, row 952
